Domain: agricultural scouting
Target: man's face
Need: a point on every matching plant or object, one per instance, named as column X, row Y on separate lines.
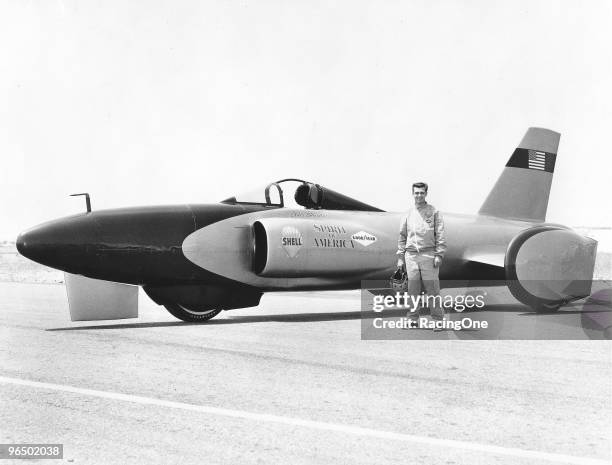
column 419, row 194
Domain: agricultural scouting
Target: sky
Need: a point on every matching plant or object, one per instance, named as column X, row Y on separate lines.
column 164, row 102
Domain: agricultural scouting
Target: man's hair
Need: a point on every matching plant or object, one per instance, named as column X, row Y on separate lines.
column 420, row 185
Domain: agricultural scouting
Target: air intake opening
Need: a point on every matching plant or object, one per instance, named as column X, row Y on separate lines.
column 260, row 247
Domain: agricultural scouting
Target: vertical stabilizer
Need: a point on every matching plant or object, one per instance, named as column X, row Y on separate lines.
column 522, row 190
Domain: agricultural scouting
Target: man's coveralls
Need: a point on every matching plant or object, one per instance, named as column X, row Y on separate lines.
column 421, row 238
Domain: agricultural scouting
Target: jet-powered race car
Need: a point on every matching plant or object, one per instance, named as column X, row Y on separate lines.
column 197, row 260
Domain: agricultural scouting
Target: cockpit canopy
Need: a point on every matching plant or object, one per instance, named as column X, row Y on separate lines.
column 307, row 194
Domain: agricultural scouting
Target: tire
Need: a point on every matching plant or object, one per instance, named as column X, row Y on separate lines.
column 191, row 315
column 547, row 308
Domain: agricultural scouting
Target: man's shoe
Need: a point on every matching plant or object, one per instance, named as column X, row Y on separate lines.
column 413, row 315
column 437, row 328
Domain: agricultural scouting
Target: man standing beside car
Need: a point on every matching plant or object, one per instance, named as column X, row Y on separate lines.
column 420, row 248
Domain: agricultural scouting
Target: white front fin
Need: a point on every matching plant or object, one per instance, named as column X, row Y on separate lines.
column 94, row 299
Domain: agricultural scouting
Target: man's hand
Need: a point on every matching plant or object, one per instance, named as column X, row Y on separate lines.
column 437, row 261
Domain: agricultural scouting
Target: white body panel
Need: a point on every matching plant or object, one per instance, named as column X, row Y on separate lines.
column 94, row 299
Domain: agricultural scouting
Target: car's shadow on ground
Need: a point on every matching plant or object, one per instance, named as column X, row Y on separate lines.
column 230, row 320
column 518, row 309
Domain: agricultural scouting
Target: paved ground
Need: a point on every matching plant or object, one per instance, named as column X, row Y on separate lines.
column 291, row 382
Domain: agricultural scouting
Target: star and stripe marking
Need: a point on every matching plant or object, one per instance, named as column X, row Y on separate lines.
column 537, row 160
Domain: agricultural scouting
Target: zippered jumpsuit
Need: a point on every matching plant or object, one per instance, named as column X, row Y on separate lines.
column 421, row 238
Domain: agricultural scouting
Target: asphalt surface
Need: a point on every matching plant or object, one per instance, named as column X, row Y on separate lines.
column 292, row 381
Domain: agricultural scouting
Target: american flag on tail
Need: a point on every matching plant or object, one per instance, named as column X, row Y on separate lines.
column 537, row 160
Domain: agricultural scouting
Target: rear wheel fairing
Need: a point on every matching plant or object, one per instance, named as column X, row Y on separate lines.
column 550, row 265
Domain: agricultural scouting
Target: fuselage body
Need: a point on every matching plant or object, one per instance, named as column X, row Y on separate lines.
column 214, row 244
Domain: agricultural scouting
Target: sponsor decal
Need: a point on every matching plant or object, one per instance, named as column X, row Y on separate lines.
column 329, row 228
column 307, row 214
column 291, row 240
column 328, row 243
column 364, row 238
column 332, row 236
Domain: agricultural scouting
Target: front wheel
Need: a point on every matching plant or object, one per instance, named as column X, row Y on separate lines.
column 190, row 314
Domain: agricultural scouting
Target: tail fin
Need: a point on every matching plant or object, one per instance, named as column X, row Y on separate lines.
column 522, row 190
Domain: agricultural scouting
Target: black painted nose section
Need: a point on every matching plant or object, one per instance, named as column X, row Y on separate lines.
column 21, row 245
column 63, row 244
